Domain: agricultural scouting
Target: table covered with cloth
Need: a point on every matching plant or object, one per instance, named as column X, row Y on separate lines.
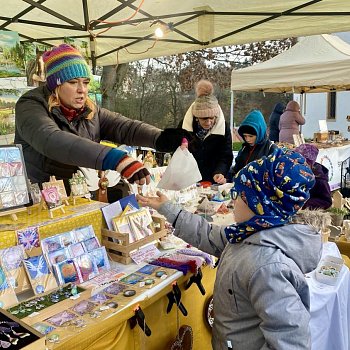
column 330, row 308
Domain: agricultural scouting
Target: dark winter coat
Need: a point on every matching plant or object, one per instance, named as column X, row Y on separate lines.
column 53, row 146
column 320, row 194
column 214, row 153
column 274, row 122
column 262, row 147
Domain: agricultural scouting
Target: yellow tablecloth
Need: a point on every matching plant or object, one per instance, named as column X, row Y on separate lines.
column 84, row 213
column 115, row 333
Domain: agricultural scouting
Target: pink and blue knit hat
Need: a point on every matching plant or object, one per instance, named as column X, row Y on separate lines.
column 64, row 63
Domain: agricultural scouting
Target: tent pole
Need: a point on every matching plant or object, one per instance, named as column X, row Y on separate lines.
column 231, row 112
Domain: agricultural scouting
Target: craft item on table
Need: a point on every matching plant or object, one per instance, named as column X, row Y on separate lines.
column 147, row 269
column 79, row 187
column 86, row 266
column 67, row 238
column 104, row 278
column 115, row 209
column 114, row 289
column 51, row 197
column 51, row 243
column 14, row 190
column 129, row 293
column 35, row 193
column 195, row 252
column 184, row 339
column 83, row 233
column 15, row 334
column 133, row 278
column 67, row 272
column 57, row 256
column 40, row 276
column 91, row 244
column 76, row 249
column 61, row 318
column 181, row 172
column 206, row 207
column 223, row 209
column 28, row 237
column 11, row 260
column 59, row 186
column 83, row 307
column 100, row 298
column 149, row 161
column 43, row 328
column 7, row 294
column 179, row 262
column 101, row 259
column 121, row 224
column 141, row 223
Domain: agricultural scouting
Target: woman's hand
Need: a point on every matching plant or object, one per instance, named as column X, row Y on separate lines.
column 219, row 178
column 153, row 202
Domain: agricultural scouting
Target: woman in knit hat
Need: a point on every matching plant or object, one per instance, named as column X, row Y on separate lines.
column 320, row 194
column 59, row 127
column 261, row 297
column 256, row 143
column 211, row 141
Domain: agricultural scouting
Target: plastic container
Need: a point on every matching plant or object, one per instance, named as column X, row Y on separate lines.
column 328, row 270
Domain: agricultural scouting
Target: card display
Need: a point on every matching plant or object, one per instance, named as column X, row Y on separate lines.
column 14, row 189
column 28, row 237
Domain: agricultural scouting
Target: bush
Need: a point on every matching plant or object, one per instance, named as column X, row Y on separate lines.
column 236, row 146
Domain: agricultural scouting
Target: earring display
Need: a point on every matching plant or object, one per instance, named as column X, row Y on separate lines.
column 14, row 334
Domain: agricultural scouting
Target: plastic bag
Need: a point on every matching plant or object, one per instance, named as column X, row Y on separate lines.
column 181, row 172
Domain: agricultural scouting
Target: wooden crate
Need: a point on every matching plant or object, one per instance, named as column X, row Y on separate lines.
column 120, row 252
column 321, row 136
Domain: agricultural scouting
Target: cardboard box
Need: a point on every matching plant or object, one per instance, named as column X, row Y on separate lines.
column 321, row 136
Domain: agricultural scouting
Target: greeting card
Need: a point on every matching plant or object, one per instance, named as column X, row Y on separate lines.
column 83, row 307
column 101, row 259
column 61, row 318
column 100, row 298
column 83, row 233
column 86, row 266
column 7, row 294
column 67, row 272
column 43, row 328
column 133, row 278
column 114, row 289
column 91, row 244
column 51, row 197
column 76, row 249
column 28, row 237
column 57, row 256
column 39, row 273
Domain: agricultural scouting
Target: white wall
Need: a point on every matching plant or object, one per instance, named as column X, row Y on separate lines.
column 316, row 108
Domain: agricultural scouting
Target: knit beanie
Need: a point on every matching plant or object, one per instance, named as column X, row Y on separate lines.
column 310, row 152
column 274, row 188
column 64, row 63
column 206, row 104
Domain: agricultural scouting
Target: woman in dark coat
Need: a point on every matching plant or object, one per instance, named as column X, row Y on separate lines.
column 211, row 143
column 256, row 144
column 320, row 194
column 274, row 122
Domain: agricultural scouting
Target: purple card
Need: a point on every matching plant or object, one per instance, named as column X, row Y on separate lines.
column 83, row 307
column 29, row 237
column 61, row 318
column 91, row 244
column 114, row 288
column 100, row 298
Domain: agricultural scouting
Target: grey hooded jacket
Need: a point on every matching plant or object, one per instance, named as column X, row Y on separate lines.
column 261, row 298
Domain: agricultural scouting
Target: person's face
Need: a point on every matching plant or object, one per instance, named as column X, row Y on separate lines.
column 241, row 210
column 250, row 139
column 73, row 93
column 207, row 122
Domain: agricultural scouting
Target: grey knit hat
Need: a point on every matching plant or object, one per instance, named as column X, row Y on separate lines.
column 206, row 104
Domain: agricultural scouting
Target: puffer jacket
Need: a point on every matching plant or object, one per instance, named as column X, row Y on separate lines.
column 261, row 297
column 53, row 146
column 290, row 122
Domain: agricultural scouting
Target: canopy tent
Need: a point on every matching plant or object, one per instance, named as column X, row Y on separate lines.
column 319, row 63
column 129, row 33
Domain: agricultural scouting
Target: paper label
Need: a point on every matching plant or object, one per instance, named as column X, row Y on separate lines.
column 148, row 252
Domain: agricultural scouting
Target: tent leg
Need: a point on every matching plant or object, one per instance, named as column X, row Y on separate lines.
column 231, row 113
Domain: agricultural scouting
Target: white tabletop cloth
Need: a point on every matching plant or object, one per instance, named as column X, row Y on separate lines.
column 330, row 308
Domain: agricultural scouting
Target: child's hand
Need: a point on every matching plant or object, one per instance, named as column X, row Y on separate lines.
column 153, row 202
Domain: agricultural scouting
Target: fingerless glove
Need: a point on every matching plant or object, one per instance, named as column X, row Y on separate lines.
column 131, row 169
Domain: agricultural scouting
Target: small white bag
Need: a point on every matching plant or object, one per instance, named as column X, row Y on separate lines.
column 181, row 172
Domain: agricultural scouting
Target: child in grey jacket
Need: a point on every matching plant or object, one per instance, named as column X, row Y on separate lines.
column 261, row 298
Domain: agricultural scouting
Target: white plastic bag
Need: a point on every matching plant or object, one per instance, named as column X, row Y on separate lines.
column 181, row 172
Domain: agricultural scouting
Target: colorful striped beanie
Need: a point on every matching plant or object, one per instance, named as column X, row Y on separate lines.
column 63, row 63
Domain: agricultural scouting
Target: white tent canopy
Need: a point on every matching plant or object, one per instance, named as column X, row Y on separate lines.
column 319, row 63
column 123, row 30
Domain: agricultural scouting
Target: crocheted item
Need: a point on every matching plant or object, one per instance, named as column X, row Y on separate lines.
column 63, row 63
column 128, row 167
column 192, row 252
column 206, row 104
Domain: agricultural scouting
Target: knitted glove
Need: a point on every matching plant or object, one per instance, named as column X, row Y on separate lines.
column 132, row 170
column 171, row 138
